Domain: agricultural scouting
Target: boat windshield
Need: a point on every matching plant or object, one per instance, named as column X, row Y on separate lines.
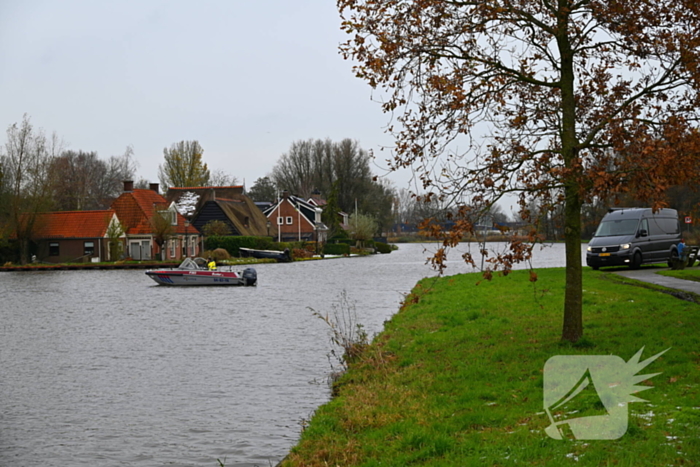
column 617, row 227
column 192, row 263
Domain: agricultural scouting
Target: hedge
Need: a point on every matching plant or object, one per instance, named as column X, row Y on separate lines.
column 382, row 247
column 345, row 241
column 336, row 249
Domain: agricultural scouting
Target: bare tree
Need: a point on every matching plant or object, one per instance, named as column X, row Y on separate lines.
column 319, row 164
column 141, row 183
column 27, row 161
column 82, row 181
column 118, row 169
column 219, row 177
column 295, row 171
column 75, row 177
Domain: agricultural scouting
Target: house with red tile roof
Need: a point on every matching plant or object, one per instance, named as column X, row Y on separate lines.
column 73, row 236
column 137, row 210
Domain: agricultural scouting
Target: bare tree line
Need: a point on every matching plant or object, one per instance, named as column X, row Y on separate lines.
column 323, row 165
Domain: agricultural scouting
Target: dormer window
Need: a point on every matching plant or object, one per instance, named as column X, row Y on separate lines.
column 169, row 215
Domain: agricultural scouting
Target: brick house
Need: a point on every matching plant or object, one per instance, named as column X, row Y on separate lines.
column 73, row 236
column 297, row 219
column 317, row 201
column 136, row 209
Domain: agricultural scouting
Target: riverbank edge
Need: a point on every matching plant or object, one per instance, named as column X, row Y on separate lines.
column 142, row 264
column 87, row 266
column 387, row 346
column 110, row 266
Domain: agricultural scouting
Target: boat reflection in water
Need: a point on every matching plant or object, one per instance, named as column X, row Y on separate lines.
column 194, row 271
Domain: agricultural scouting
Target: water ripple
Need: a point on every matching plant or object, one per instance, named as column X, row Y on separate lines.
column 103, row 368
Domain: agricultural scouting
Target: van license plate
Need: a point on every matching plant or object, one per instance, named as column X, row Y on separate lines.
column 605, row 254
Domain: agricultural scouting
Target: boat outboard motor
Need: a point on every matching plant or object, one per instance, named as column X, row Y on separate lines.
column 250, row 276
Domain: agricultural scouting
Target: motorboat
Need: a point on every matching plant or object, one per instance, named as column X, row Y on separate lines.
column 281, row 256
column 194, row 271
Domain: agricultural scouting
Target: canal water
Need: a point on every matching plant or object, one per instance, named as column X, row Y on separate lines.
column 105, row 368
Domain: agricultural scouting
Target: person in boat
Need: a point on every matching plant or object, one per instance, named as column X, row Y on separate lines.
column 211, row 264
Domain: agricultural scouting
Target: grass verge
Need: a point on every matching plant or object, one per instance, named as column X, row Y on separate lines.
column 456, row 378
column 687, row 274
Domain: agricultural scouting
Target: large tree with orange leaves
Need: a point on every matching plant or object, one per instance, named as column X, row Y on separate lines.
column 557, row 101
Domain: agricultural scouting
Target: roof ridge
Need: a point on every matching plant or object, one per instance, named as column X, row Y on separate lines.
column 203, row 187
column 76, row 211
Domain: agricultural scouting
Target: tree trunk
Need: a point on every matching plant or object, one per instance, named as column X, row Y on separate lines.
column 573, row 302
column 573, row 298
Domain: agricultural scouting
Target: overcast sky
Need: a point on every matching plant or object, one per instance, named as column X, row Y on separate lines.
column 245, row 78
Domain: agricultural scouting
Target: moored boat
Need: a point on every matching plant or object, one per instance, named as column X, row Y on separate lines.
column 193, row 271
column 284, row 256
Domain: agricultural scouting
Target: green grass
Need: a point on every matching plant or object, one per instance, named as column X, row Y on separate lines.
column 456, row 378
column 691, row 274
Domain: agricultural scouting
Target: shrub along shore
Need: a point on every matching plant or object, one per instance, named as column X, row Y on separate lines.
column 456, row 378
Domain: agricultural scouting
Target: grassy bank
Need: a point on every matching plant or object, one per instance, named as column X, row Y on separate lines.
column 690, row 274
column 456, row 378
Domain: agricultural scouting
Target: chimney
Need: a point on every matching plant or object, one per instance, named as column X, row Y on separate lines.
column 285, row 194
column 154, row 187
column 128, row 186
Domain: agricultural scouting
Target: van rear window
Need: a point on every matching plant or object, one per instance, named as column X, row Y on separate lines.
column 618, row 227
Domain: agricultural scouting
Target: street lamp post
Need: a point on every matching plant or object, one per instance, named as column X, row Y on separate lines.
column 187, row 243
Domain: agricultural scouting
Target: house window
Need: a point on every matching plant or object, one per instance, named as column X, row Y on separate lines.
column 169, row 216
column 53, row 249
column 172, row 248
column 290, row 220
column 89, row 249
column 193, row 242
column 280, row 220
